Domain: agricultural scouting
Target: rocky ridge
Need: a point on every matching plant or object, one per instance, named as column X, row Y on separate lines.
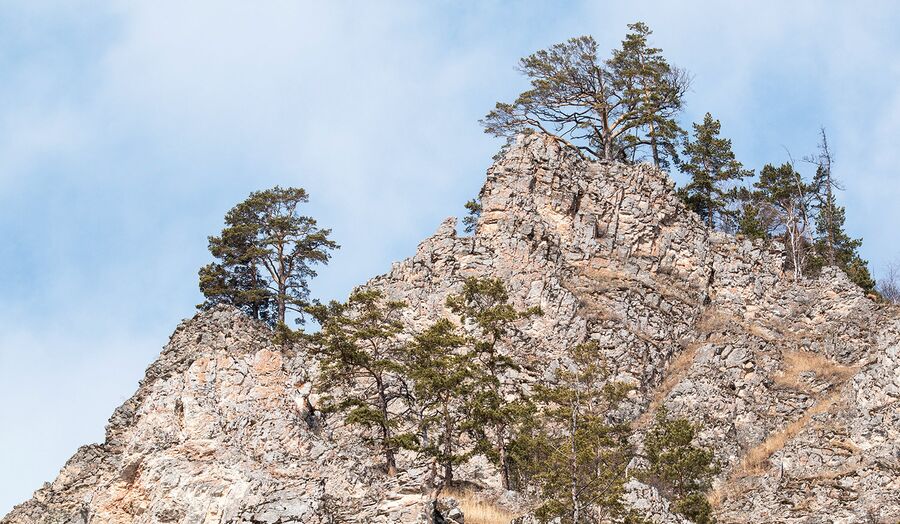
column 796, row 384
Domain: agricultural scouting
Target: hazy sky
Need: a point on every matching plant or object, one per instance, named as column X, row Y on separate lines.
column 127, row 130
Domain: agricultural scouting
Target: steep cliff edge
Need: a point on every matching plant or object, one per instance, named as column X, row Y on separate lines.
column 796, row 383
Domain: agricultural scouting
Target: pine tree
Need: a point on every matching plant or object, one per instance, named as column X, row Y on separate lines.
column 681, row 470
column 832, row 244
column 576, row 455
column 711, row 164
column 443, row 379
column 601, row 109
column 266, row 256
column 361, row 358
column 751, row 220
column 823, row 187
column 857, row 269
column 473, row 213
column 236, row 279
column 838, row 248
column 484, row 308
column 657, row 91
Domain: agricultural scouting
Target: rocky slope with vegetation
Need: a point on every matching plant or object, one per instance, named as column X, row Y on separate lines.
column 793, row 383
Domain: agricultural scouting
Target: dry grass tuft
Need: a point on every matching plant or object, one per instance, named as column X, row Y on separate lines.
column 715, row 321
column 675, row 372
column 718, row 495
column 755, row 461
column 834, row 474
column 477, row 510
column 799, row 362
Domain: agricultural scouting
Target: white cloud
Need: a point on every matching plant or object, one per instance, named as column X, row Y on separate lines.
column 127, row 130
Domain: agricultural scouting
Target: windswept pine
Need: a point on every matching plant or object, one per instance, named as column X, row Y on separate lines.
column 620, row 108
column 266, row 255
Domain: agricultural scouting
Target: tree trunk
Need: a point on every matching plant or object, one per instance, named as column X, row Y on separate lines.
column 794, row 241
column 390, row 460
column 826, row 159
column 830, row 207
column 607, row 142
column 448, row 447
column 282, row 285
column 255, row 305
column 282, row 306
column 504, row 462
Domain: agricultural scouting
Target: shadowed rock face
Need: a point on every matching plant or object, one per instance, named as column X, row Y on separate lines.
column 796, row 383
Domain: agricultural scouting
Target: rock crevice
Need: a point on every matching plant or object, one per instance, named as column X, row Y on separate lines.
column 796, row 383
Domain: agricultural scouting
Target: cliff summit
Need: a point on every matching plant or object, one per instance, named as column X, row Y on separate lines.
column 795, row 383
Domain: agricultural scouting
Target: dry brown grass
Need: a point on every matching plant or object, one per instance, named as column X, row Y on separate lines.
column 755, row 461
column 799, row 362
column 477, row 510
column 602, row 278
column 718, row 495
column 834, row 474
column 674, row 373
column 718, row 321
column 713, row 321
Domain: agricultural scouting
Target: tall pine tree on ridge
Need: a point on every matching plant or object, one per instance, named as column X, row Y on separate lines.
column 711, row 164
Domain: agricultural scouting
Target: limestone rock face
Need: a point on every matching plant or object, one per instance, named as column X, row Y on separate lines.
column 796, row 383
column 220, row 430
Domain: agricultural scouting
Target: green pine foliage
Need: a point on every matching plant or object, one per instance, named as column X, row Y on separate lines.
column 574, row 454
column 443, row 381
column 266, row 256
column 752, row 221
column 786, row 197
column 362, row 357
column 713, row 170
column 602, row 109
column 804, row 216
column 832, row 245
column 496, row 407
column 236, row 279
column 656, row 90
column 626, row 108
column 473, row 213
column 443, row 393
column 679, row 469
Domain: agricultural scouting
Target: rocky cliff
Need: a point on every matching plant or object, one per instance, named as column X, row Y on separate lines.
column 796, row 384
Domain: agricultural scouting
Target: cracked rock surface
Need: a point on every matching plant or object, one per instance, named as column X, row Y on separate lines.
column 796, row 383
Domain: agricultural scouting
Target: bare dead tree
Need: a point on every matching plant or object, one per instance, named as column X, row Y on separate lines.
column 889, row 284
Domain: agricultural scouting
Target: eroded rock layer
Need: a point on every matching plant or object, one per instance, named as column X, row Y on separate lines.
column 796, row 384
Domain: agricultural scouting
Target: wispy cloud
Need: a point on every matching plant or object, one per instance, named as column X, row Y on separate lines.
column 127, row 129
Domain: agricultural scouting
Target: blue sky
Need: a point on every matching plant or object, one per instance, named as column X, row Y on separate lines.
column 127, row 130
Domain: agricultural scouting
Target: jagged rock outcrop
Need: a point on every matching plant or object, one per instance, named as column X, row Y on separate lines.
column 220, row 430
column 796, row 384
